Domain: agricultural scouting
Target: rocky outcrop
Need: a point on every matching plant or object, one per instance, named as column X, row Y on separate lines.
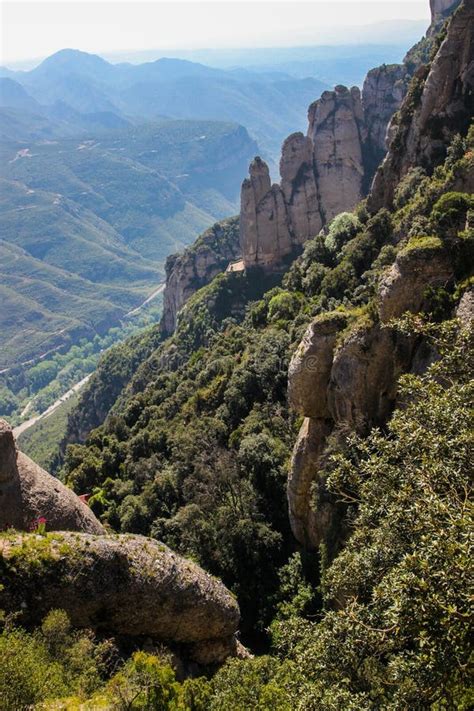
column 465, row 310
column 337, row 130
column 440, row 9
column 438, row 105
column 403, row 287
column 28, row 493
column 310, row 367
column 197, row 266
column 309, row 522
column 384, row 90
column 123, row 585
column 324, row 173
column 299, row 187
column 343, row 378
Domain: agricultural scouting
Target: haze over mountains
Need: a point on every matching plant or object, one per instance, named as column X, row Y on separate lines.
column 108, row 168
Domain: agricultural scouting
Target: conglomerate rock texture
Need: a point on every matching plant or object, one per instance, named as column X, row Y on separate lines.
column 324, row 173
column 344, row 379
column 124, row 585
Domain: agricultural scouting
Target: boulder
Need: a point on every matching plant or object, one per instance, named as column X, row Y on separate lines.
column 122, row 585
column 28, row 493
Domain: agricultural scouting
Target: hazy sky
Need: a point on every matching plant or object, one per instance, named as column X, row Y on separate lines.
column 34, row 28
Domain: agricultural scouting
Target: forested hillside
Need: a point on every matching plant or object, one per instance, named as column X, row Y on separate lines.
column 304, row 435
column 88, row 223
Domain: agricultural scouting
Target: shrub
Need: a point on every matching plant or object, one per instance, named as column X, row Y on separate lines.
column 284, row 306
column 342, row 229
column 449, row 212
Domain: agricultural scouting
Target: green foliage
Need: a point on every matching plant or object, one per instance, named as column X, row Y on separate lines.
column 400, row 638
column 343, row 228
column 257, row 685
column 52, row 662
column 283, row 306
column 450, row 211
column 422, row 244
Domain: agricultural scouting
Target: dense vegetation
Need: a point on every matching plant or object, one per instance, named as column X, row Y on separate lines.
column 196, row 449
column 29, row 390
column 393, row 632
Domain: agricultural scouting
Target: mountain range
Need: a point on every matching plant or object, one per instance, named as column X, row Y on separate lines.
column 268, row 104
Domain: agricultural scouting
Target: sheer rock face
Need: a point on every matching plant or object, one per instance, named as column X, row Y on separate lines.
column 300, row 191
column 307, row 524
column 124, row 584
column 337, row 130
column 440, row 8
column 403, row 286
column 384, row 90
column 310, row 367
column 445, row 107
column 28, row 493
column 323, row 173
column 196, row 267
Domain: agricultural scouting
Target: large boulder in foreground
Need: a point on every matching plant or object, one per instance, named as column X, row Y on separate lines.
column 122, row 584
column 28, row 493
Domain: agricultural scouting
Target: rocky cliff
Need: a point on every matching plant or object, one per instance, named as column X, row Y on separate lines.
column 343, row 377
column 440, row 104
column 440, row 9
column 197, row 266
column 324, row 173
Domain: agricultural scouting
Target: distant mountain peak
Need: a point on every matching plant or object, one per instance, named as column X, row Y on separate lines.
column 74, row 60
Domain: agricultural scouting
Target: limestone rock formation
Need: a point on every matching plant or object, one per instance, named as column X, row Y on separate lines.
column 124, row 585
column 440, row 9
column 345, row 379
column 307, row 524
column 300, row 191
column 441, row 105
column 337, row 130
column 28, row 493
column 197, row 266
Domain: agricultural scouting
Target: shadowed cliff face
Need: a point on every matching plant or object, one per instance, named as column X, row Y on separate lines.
column 439, row 105
column 439, row 8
